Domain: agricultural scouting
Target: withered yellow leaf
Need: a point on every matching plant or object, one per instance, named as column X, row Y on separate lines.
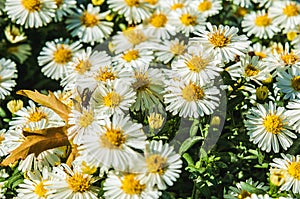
column 49, row 101
column 37, row 143
column 74, row 153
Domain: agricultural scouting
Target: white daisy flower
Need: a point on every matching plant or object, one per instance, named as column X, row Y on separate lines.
column 72, row 184
column 35, row 185
column 250, row 68
column 259, row 50
column 289, row 83
column 148, row 85
column 8, row 72
column 129, row 186
column 208, row 8
column 159, row 25
column 35, row 118
column 83, row 123
column 55, row 56
column 197, row 65
column 83, row 63
column 191, row 99
column 286, row 14
column 114, row 97
column 173, row 5
column 169, row 50
column 290, row 165
column 268, row 126
column 64, row 8
column 129, row 39
column 134, row 11
column 162, row 165
column 31, row 14
column 293, row 107
column 11, row 140
column 112, row 144
column 133, row 58
column 187, row 20
column 88, row 25
column 223, row 41
column 260, row 25
column 279, row 61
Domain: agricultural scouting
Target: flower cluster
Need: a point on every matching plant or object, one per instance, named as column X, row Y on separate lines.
column 137, row 87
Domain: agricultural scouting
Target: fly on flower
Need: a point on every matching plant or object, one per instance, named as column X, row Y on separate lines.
column 83, row 98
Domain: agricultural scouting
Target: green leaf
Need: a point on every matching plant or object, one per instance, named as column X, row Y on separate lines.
column 188, row 159
column 194, row 128
column 188, row 143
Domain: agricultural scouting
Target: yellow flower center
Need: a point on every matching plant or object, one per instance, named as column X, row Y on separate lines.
column 263, row 21
column 79, row 183
column 89, row 20
column 261, row 55
column 176, row 6
column 188, row 19
column 289, row 59
column 155, row 120
column 83, row 66
column 135, row 37
column 62, row 55
column 86, row 118
column 273, row 124
column 97, row 2
column 132, row 3
column 112, row 99
column 291, row 35
column 156, row 164
column 262, row 93
column 88, row 169
column 177, row 48
column 196, row 63
column 132, row 186
column 204, row 6
column 131, row 55
column 2, row 138
column 291, row 10
column 192, row 92
column 294, row 170
column 295, row 82
column 218, row 39
column 142, row 82
column 59, row 2
column 152, row 2
column 32, row 5
column 244, row 194
column 113, row 138
column 105, row 74
column 37, row 115
column 158, row 20
column 251, row 70
column 40, row 190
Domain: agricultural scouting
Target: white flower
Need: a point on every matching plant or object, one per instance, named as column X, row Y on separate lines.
column 208, row 8
column 64, row 8
column 293, row 107
column 8, row 72
column 289, row 83
column 268, row 126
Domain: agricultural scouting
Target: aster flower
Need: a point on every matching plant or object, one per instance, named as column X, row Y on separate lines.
column 114, row 97
column 190, row 99
column 169, row 50
column 14, row 34
column 208, row 8
column 72, row 183
column 289, row 83
column 162, row 165
column 223, row 41
column 187, row 20
column 55, row 56
column 175, row 5
column 134, row 11
column 268, row 126
column 259, row 24
column 64, row 8
column 8, row 72
column 197, row 65
column 112, row 144
column 88, row 25
column 259, row 50
column 290, row 165
column 285, row 13
column 129, row 186
column 31, row 14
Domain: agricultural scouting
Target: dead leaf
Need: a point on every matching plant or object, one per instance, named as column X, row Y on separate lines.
column 74, row 153
column 49, row 101
column 37, row 143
